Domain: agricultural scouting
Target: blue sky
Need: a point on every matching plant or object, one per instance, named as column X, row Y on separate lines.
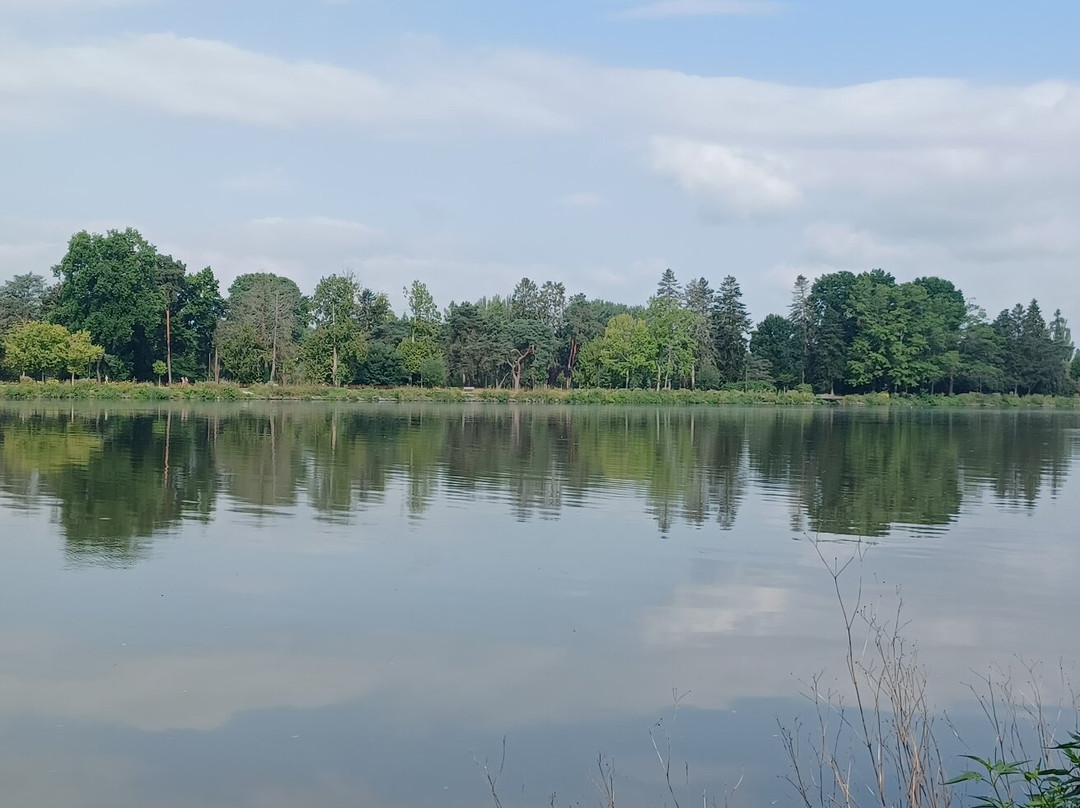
column 594, row 142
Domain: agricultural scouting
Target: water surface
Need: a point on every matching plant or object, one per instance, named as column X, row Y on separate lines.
column 302, row 604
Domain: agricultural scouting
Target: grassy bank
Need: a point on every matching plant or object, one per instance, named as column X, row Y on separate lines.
column 129, row 391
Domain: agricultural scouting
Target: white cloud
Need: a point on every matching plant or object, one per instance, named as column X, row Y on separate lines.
column 665, row 9
column 210, row 79
column 976, row 181
column 726, row 180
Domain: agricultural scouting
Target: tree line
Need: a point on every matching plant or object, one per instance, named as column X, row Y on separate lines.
column 121, row 309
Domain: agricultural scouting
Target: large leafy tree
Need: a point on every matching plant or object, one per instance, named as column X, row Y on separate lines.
column 338, row 342
column 626, row 349
column 421, row 347
column 36, row 348
column 832, row 330
column 672, row 330
column 110, row 285
column 777, row 341
column 584, row 321
column 201, row 308
column 41, row 348
column 266, row 318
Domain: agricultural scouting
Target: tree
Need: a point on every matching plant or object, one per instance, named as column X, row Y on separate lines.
column 525, row 302
column 82, row 353
column 777, row 342
column 338, row 342
column 731, row 324
column 585, row 320
column 668, row 288
column 1009, row 329
column 200, row 310
column 801, row 316
column 21, row 300
column 37, row 348
column 109, row 285
column 169, row 275
column 700, row 299
column 160, row 369
column 523, row 342
column 626, row 348
column 1063, row 351
column 979, row 351
column 832, row 330
column 671, row 330
column 422, row 309
column 266, row 317
column 467, row 344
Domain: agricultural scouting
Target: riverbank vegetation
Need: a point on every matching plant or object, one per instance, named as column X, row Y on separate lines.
column 120, row 310
column 91, row 390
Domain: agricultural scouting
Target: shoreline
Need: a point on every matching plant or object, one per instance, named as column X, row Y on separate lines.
column 224, row 392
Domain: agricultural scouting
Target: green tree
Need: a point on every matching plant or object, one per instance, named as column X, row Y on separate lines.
column 37, row 348
column 110, row 286
column 626, row 348
column 668, row 288
column 832, row 329
column 82, row 353
column 777, row 342
column 266, row 317
column 200, row 311
column 585, row 320
column 338, row 342
column 1063, row 351
column 467, row 344
column 671, row 330
column 979, row 350
column 21, row 300
column 801, row 316
column 731, row 326
column 700, row 299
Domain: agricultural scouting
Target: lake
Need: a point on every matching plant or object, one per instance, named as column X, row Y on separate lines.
column 319, row 605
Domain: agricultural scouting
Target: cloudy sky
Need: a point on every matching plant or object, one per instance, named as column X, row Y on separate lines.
column 596, row 142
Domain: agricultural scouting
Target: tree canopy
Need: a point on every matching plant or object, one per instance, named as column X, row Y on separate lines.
column 126, row 307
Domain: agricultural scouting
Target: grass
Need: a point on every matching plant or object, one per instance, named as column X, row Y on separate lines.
column 89, row 390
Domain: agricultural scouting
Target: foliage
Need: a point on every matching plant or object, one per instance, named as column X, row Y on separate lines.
column 627, row 348
column 859, row 334
column 37, row 348
column 1053, row 782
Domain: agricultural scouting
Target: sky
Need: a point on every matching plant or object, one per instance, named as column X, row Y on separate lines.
column 593, row 142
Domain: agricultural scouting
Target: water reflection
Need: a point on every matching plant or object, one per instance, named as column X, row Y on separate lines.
column 116, row 478
column 260, row 605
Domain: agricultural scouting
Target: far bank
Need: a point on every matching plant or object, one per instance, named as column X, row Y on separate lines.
column 119, row 391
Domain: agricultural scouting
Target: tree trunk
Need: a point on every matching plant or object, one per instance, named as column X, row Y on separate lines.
column 335, row 367
column 168, row 342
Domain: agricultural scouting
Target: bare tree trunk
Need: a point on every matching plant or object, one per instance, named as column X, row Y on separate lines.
column 168, row 341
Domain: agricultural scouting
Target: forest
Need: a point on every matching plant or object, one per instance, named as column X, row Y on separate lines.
column 117, row 308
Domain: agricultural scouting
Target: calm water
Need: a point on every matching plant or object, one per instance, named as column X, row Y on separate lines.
column 305, row 605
